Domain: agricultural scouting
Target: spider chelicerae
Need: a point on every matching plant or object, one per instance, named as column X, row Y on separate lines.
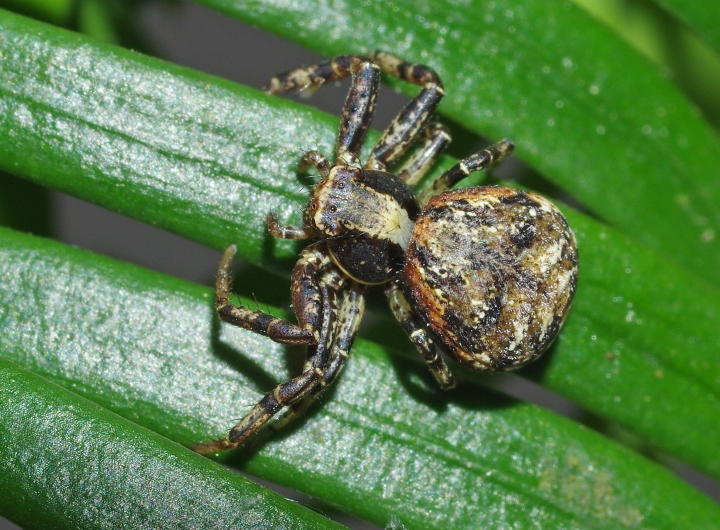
column 484, row 275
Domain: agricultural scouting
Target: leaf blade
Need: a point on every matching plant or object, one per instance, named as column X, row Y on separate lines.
column 198, row 157
column 700, row 16
column 67, row 463
column 583, row 108
column 185, row 376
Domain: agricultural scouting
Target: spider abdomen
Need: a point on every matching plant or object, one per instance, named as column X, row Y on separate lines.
column 492, row 272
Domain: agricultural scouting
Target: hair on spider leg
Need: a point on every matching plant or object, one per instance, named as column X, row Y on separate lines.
column 265, row 309
column 257, row 304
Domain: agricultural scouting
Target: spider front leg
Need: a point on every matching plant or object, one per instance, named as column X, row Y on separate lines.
column 437, row 139
column 275, row 229
column 315, row 302
column 359, row 104
column 422, row 340
column 411, row 121
column 279, row 330
column 485, row 159
column 317, row 160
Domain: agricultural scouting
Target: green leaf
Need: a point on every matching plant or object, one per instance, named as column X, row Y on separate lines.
column 68, row 463
column 701, row 15
column 164, row 144
column 55, row 11
column 202, row 157
column 640, row 346
column 584, row 109
column 207, row 159
column 95, row 20
column 148, row 347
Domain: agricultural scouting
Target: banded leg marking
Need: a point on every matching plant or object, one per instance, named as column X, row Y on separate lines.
column 309, row 291
column 359, row 104
column 417, row 74
column 485, row 159
column 275, row 229
column 351, row 312
column 277, row 329
column 423, row 342
column 295, row 389
column 317, row 160
column 437, row 139
column 410, row 122
column 358, row 110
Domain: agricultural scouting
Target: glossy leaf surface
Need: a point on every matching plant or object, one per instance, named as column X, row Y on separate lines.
column 197, row 182
column 69, row 463
column 148, row 347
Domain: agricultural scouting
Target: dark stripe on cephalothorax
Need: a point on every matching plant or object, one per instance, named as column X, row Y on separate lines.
column 390, row 185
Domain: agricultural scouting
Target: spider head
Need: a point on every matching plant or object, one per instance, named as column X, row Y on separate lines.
column 331, row 204
column 366, row 217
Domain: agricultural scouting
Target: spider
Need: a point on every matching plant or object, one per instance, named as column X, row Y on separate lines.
column 483, row 275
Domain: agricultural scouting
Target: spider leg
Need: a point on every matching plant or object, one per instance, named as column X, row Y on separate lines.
column 317, row 160
column 422, row 340
column 276, row 328
column 406, row 127
column 359, row 104
column 485, row 159
column 348, row 323
column 322, row 306
column 288, row 232
column 437, row 139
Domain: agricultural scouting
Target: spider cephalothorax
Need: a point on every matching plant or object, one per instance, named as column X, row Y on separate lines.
column 484, row 275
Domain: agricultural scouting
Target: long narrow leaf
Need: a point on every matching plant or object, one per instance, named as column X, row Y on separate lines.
column 701, row 15
column 208, row 159
column 386, row 445
column 584, row 108
column 68, row 463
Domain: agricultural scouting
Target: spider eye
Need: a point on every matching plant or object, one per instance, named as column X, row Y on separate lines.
column 313, row 206
column 341, row 185
column 332, row 209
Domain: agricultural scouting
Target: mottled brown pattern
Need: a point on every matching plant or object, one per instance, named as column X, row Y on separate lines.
column 492, row 271
column 484, row 275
